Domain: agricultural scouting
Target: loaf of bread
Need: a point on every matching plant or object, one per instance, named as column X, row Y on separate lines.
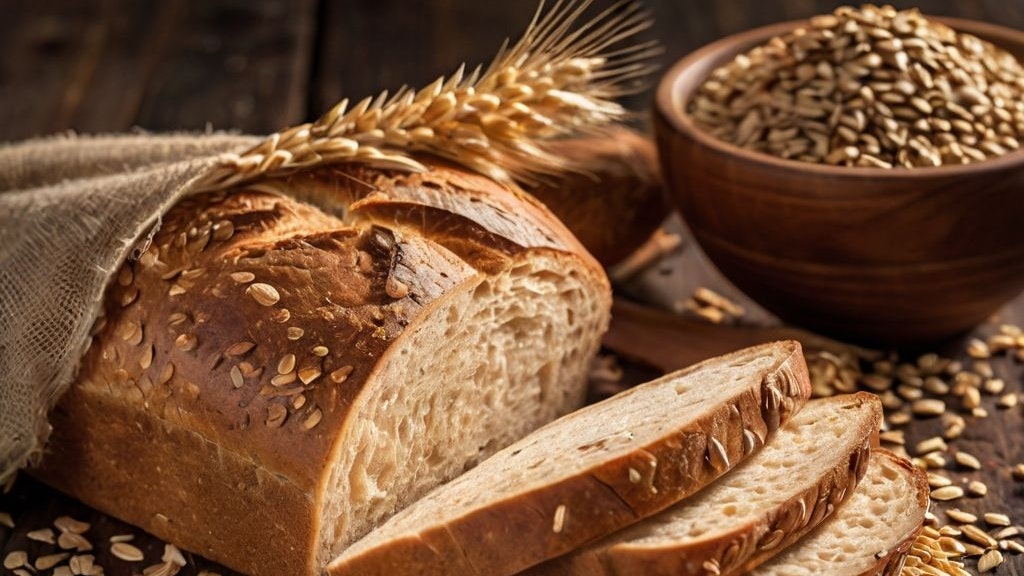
column 617, row 202
column 779, row 494
column 272, row 380
column 592, row 472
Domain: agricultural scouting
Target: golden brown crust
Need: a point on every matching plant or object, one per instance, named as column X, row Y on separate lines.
column 801, row 514
column 503, row 538
column 616, row 206
column 161, row 477
column 221, row 377
column 745, row 546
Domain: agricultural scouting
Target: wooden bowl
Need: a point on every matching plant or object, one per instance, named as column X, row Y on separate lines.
column 892, row 256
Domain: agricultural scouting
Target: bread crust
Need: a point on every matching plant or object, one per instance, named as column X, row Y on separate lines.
column 891, row 564
column 616, row 205
column 506, row 536
column 745, row 546
column 179, row 421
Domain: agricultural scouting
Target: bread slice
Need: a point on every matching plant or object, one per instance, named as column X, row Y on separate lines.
column 771, row 500
column 591, row 472
column 870, row 534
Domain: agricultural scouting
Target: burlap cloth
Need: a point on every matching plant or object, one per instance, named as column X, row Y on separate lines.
column 72, row 209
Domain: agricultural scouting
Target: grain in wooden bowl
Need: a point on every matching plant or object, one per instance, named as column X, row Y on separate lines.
column 830, row 228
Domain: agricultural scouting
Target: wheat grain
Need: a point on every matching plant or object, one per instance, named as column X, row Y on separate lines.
column 558, row 80
column 872, row 87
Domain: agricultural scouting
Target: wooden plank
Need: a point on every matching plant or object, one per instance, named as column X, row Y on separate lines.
column 108, row 65
column 366, row 46
column 234, row 64
column 47, row 46
column 135, row 37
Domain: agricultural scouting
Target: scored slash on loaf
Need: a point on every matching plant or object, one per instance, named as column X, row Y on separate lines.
column 593, row 471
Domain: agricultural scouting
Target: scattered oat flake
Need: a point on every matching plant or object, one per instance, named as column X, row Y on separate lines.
column 50, row 560
column 996, row 519
column 977, row 488
column 1018, row 471
column 173, row 556
column 70, row 540
column 127, row 552
column 82, row 564
column 947, row 493
column 43, row 535
column 989, row 561
column 15, row 559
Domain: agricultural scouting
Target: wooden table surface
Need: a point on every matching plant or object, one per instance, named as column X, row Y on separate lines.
column 259, row 65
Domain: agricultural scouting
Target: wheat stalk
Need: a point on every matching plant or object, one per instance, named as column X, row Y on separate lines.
column 558, row 80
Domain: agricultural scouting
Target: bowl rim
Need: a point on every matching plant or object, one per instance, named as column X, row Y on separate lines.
column 671, row 100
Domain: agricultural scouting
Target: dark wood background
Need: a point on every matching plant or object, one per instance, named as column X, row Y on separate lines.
column 259, row 65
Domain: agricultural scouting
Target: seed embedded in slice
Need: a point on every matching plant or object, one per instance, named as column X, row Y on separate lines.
column 558, row 523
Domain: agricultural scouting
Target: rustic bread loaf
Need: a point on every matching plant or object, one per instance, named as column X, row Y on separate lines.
column 618, row 202
column 768, row 502
column 270, row 380
column 591, row 472
column 870, row 534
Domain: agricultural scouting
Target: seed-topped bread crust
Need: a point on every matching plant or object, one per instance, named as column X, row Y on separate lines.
column 235, row 354
column 783, row 491
column 884, row 537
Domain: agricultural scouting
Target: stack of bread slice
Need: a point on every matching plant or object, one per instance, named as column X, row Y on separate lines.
column 721, row 468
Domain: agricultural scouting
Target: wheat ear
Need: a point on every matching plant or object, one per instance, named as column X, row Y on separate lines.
column 558, row 80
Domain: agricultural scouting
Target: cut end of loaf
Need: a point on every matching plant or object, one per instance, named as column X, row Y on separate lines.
column 460, row 386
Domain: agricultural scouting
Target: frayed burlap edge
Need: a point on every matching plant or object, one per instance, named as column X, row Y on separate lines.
column 72, row 209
